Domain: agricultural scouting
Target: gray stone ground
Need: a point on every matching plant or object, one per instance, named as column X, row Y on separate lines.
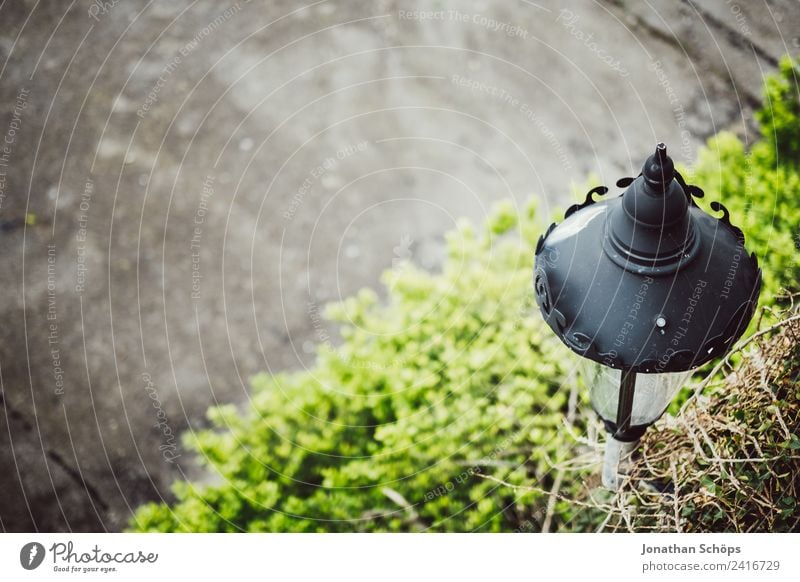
column 170, row 225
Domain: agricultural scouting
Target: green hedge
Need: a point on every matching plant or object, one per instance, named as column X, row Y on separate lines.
column 452, row 379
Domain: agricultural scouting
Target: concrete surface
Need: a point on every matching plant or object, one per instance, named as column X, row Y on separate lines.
column 185, row 183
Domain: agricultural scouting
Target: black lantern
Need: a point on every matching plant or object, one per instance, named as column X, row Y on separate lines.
column 646, row 286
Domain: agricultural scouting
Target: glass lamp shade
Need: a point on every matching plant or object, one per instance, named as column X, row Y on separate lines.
column 652, row 393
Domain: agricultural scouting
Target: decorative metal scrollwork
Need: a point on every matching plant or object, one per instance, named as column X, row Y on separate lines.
column 611, row 359
column 722, row 342
column 540, row 242
column 552, row 316
column 578, row 341
column 542, row 288
column 690, row 190
column 588, row 201
column 726, row 219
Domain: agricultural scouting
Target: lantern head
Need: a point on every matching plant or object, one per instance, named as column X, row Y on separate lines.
column 646, row 286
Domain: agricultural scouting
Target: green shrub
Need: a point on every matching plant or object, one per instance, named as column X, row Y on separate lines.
column 778, row 118
column 452, row 378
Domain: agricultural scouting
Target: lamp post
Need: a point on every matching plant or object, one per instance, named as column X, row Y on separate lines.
column 646, row 286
